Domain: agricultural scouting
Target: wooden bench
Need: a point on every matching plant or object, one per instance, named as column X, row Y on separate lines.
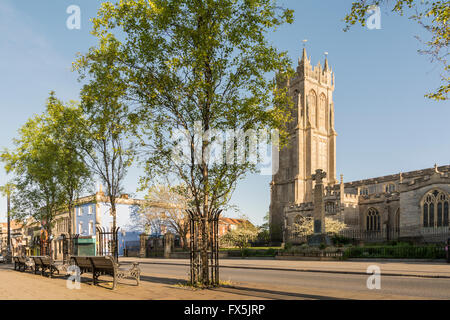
column 105, row 265
column 19, row 263
column 44, row 263
column 83, row 263
column 22, row 263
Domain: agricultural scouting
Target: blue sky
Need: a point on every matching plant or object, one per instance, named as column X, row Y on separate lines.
column 384, row 123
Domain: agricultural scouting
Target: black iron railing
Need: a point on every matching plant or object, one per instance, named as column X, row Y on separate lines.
column 107, row 242
column 410, row 233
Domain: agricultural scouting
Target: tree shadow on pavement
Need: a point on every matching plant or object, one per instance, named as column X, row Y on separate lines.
column 168, row 281
column 273, row 294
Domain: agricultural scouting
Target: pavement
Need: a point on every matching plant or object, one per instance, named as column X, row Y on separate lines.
column 156, row 285
column 388, row 268
column 15, row 285
column 160, row 281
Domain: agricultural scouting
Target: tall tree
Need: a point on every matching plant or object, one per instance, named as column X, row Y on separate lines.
column 64, row 124
column 195, row 66
column 106, row 126
column 34, row 163
column 432, row 15
column 304, row 226
column 264, row 229
column 50, row 173
column 166, row 206
column 241, row 235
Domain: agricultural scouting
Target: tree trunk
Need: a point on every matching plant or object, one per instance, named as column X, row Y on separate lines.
column 70, row 246
column 49, row 233
column 204, row 269
column 114, row 244
column 184, row 241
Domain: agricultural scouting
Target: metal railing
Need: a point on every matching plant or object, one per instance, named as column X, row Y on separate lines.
column 411, row 233
column 107, row 242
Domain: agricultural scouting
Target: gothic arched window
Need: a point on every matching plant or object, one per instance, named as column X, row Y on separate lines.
column 312, row 107
column 297, row 99
column 373, row 220
column 330, row 208
column 322, row 111
column 396, row 223
column 435, row 209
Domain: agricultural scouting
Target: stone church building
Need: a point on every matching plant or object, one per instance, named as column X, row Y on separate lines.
column 410, row 205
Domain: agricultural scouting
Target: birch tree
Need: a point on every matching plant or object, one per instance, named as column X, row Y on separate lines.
column 198, row 67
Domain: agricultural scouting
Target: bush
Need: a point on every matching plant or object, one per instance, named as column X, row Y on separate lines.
column 250, row 252
column 340, row 240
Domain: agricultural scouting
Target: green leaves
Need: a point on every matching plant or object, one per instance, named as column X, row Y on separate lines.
column 107, row 142
column 48, row 169
column 241, row 235
column 176, row 63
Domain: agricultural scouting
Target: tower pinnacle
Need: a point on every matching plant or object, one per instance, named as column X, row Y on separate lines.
column 326, row 67
column 304, row 56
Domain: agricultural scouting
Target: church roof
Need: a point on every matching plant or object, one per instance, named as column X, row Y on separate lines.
column 395, row 177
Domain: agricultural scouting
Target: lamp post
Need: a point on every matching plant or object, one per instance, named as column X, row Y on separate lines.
column 123, row 241
column 6, row 190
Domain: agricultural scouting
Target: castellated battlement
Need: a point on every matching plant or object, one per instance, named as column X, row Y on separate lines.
column 380, row 196
column 329, row 192
column 403, row 178
column 435, row 176
column 323, row 75
column 307, row 206
column 351, row 197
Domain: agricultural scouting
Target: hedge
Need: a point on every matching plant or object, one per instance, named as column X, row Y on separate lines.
column 397, row 252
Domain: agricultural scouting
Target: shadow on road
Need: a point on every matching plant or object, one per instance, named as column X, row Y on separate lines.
column 273, row 294
column 246, row 291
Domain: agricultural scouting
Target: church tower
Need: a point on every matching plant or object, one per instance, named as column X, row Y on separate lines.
column 312, row 141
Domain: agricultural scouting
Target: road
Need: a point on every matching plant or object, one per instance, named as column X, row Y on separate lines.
column 295, row 284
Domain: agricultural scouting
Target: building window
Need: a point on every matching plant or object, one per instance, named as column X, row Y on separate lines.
column 91, row 228
column 90, row 210
column 373, row 220
column 312, row 107
column 80, row 228
column 322, row 111
column 397, row 220
column 435, row 210
column 297, row 98
column 390, row 188
column 364, row 192
column 79, row 211
column 330, row 208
